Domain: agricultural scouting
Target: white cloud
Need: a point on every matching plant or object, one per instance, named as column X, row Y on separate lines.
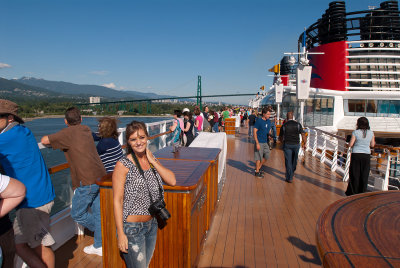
column 122, row 88
column 110, row 85
column 4, row 65
column 102, row 72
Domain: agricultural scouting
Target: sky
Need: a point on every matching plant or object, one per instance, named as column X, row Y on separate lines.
column 158, row 46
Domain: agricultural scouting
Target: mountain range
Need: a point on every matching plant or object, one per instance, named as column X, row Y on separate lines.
column 30, row 88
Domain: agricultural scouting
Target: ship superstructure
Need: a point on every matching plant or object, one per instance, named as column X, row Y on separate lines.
column 356, row 74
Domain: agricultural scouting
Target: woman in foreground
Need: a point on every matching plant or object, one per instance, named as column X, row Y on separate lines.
column 137, row 183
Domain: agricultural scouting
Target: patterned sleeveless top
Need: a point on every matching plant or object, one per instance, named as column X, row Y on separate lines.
column 136, row 194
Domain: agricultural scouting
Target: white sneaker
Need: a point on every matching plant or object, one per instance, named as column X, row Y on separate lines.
column 92, row 250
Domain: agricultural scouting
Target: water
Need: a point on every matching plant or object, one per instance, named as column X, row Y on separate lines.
column 61, row 180
column 45, row 126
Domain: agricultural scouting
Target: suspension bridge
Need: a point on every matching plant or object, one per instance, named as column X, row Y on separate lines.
column 137, row 104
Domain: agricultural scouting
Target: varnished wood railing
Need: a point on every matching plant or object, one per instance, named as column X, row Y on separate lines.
column 191, row 203
column 64, row 166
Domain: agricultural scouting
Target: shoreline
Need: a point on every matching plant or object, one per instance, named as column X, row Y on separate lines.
column 28, row 119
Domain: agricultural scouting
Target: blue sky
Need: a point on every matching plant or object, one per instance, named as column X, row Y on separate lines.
column 155, row 46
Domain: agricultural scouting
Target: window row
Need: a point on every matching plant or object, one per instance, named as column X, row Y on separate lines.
column 384, row 108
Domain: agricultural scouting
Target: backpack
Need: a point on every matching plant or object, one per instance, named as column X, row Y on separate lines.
column 206, row 124
column 178, row 132
column 283, row 129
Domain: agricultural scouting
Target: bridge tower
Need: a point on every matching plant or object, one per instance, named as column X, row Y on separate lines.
column 199, row 99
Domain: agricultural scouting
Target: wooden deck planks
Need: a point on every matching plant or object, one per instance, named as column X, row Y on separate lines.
column 71, row 254
column 258, row 222
column 268, row 222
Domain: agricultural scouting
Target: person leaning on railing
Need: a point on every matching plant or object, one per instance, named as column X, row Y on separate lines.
column 137, row 184
column 361, row 140
column 22, row 160
column 108, row 146
column 77, row 142
column 188, row 128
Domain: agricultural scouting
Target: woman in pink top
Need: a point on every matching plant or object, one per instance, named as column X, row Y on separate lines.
column 198, row 121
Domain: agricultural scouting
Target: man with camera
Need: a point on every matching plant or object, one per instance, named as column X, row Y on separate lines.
column 86, row 167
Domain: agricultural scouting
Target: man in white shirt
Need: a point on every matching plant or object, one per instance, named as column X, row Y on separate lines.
column 12, row 192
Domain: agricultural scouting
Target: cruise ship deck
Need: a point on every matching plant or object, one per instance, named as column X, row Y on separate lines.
column 258, row 222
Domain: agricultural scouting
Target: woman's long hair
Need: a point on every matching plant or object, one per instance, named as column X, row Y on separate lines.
column 363, row 124
column 131, row 128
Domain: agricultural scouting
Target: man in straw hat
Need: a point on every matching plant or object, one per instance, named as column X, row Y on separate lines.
column 21, row 159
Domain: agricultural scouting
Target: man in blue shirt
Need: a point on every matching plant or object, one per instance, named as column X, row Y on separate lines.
column 21, row 159
column 262, row 128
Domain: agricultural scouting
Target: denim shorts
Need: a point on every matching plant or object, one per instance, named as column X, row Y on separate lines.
column 142, row 238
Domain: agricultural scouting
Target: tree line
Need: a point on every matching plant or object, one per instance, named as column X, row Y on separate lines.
column 43, row 108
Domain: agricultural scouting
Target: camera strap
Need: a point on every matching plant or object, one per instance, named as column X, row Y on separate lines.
column 142, row 173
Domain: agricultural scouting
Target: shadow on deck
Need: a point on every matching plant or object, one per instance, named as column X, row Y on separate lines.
column 259, row 222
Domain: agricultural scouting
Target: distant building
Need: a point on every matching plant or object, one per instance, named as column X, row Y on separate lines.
column 94, row 99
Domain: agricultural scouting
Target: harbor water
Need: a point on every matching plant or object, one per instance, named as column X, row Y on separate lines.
column 61, row 180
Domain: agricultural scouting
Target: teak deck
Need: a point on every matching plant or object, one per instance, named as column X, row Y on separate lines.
column 258, row 222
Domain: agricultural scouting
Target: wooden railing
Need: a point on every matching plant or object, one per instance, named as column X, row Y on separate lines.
column 191, row 202
column 64, row 166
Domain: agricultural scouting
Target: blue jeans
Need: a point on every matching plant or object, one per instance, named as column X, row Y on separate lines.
column 251, row 130
column 86, row 197
column 215, row 127
column 142, row 238
column 291, row 152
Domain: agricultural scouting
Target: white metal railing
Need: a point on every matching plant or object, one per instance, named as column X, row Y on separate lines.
column 153, row 129
column 334, row 151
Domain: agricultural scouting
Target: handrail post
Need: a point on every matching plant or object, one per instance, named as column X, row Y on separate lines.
column 301, row 152
column 163, row 139
column 335, row 156
column 347, row 167
column 314, row 152
column 121, row 132
column 323, row 156
column 308, row 139
column 385, row 185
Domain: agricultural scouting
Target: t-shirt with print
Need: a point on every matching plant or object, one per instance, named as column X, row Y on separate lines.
column 263, row 127
column 81, row 154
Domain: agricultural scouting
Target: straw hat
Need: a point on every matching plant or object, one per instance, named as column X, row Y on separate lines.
column 9, row 107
